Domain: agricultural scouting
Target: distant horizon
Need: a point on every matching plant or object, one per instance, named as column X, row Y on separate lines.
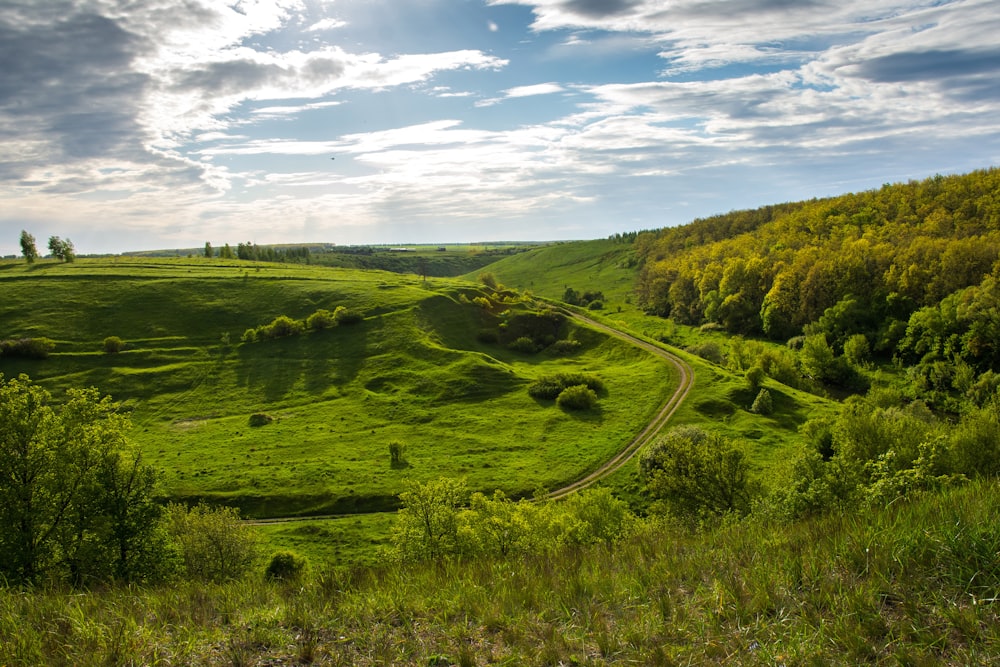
column 124, row 125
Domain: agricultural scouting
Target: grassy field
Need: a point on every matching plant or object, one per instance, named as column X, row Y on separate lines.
column 914, row 583
column 412, row 371
column 601, row 265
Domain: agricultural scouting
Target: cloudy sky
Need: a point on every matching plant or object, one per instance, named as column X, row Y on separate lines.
column 140, row 124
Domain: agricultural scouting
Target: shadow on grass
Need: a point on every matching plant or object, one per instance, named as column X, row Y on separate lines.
column 319, row 359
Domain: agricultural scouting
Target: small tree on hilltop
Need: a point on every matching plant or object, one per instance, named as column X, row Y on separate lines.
column 28, row 248
column 62, row 249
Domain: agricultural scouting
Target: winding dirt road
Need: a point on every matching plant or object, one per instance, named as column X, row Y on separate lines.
column 652, row 429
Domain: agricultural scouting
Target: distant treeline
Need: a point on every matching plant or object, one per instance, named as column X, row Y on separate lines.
column 434, row 263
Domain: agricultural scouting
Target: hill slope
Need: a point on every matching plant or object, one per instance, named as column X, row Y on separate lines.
column 414, row 370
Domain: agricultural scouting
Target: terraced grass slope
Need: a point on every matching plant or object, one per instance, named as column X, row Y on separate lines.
column 601, row 265
column 414, row 370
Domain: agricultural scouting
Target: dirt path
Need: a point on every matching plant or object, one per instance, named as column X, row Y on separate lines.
column 652, row 429
column 624, row 456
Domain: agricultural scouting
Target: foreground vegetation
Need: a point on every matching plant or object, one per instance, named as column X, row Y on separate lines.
column 912, row 583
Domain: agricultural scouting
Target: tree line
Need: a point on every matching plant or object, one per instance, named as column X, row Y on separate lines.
column 253, row 252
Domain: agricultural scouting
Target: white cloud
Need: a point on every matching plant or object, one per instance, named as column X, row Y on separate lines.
column 326, row 24
column 534, row 89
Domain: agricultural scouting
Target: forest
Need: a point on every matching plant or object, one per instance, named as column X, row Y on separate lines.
column 913, row 268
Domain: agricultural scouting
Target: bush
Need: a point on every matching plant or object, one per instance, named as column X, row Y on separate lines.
column 283, row 326
column 347, row 316
column 577, row 397
column 488, row 279
column 249, row 336
column 550, row 386
column 697, row 473
column 113, row 345
column 709, row 351
column 285, row 566
column 213, row 543
column 321, row 319
column 29, row 348
column 755, row 377
column 396, row 451
column 260, row 419
column 523, row 344
column 595, row 305
column 547, row 389
column 762, row 405
column 562, row 347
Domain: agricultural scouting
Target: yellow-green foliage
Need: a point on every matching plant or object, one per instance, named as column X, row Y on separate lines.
column 776, row 269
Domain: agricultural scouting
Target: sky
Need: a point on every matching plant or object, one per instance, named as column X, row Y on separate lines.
column 148, row 124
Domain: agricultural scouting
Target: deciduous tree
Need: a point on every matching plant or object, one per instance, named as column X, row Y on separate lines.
column 28, row 248
column 75, row 498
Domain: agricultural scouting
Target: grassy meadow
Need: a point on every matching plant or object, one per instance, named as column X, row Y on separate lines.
column 599, row 265
column 412, row 371
column 914, row 583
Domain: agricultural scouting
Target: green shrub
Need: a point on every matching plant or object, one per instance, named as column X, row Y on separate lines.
column 563, row 347
column 29, row 348
column 709, row 351
column 595, row 305
column 113, row 345
column 345, row 315
column 260, row 419
column 550, row 386
column 763, row 404
column 577, row 397
column 488, row 279
column 214, row 544
column 546, row 389
column 396, row 451
column 523, row 344
column 321, row 319
column 698, row 474
column 283, row 326
column 285, row 566
column 755, row 377
column 249, row 336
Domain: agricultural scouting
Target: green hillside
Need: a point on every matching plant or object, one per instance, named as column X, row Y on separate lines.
column 415, row 370
column 605, row 265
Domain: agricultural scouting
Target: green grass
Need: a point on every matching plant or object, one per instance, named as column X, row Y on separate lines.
column 915, row 583
column 413, row 371
column 600, row 265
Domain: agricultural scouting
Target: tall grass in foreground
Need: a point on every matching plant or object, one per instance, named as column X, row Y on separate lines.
column 914, row 583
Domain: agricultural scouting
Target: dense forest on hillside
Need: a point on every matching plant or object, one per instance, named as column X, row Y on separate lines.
column 911, row 267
